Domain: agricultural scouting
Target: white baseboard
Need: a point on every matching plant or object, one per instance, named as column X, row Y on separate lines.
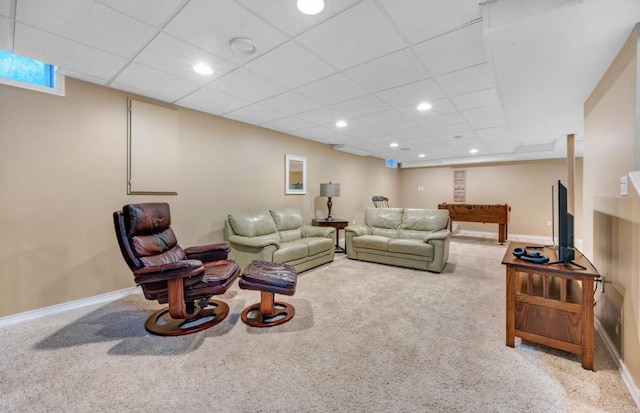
column 622, row 369
column 54, row 309
column 534, row 239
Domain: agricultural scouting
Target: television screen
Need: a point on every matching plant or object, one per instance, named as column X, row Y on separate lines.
column 563, row 225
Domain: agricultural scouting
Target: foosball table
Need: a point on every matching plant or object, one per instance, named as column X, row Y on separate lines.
column 486, row 214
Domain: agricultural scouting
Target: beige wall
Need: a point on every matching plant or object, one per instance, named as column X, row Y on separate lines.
column 63, row 173
column 612, row 222
column 525, row 186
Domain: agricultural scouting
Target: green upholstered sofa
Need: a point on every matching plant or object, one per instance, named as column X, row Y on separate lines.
column 414, row 238
column 278, row 236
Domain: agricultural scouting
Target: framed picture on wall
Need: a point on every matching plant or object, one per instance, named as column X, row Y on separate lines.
column 295, row 175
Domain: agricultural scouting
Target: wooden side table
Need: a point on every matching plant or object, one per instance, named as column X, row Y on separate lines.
column 336, row 223
column 551, row 304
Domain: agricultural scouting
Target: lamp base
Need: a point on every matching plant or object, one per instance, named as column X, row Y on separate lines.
column 330, row 218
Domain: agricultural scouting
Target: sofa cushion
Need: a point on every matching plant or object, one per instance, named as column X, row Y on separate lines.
column 383, row 217
column 425, row 219
column 385, row 232
column 252, row 224
column 412, row 234
column 290, row 251
column 317, row 245
column 374, row 242
column 411, row 246
column 289, row 223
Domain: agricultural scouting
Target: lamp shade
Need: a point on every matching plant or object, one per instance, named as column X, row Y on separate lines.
column 330, row 190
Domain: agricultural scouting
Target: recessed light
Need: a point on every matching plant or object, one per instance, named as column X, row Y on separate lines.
column 393, row 145
column 424, row 106
column 422, row 155
column 473, row 150
column 243, row 45
column 203, row 69
column 341, row 124
column 310, row 7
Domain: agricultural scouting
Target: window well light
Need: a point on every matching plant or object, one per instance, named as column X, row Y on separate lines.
column 310, row 7
column 341, row 124
column 473, row 150
column 424, row 106
column 203, row 69
column 393, row 144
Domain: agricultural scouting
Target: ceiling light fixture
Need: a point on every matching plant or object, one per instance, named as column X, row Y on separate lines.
column 203, row 69
column 310, row 7
column 473, row 150
column 393, row 145
column 422, row 155
column 341, row 124
column 243, row 45
column 424, row 106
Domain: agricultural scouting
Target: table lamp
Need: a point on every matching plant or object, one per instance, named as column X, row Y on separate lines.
column 329, row 190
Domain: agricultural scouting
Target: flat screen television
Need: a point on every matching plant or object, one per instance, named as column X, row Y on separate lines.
column 563, row 227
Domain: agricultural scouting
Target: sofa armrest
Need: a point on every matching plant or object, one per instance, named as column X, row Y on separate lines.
column 253, row 242
column 168, row 271
column 357, row 230
column 312, row 231
column 442, row 234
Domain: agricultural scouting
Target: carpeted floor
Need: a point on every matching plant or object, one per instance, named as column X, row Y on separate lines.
column 365, row 338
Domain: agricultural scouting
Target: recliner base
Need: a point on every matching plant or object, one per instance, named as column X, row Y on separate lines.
column 180, row 326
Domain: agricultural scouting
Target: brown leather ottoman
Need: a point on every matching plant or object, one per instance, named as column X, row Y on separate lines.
column 268, row 278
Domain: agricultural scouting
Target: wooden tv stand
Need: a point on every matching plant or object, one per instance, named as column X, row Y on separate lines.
column 487, row 214
column 551, row 304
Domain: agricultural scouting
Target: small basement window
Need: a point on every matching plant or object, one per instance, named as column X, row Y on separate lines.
column 31, row 74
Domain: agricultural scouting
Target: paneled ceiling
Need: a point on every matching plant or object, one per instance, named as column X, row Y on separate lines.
column 505, row 77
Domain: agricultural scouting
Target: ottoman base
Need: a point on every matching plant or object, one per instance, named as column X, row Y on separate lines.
column 267, row 313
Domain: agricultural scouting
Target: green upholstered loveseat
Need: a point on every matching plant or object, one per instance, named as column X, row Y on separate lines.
column 414, row 238
column 278, row 236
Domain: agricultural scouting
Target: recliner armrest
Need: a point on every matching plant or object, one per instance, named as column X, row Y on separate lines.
column 207, row 253
column 253, row 242
column 168, row 271
column 313, row 231
column 442, row 234
column 358, row 229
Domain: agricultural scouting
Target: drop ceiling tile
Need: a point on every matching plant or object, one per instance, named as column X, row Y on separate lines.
column 287, row 124
column 486, row 117
column 420, row 19
column 466, row 80
column 285, row 15
column 453, row 51
column 486, row 97
column 487, row 132
column 87, row 22
column 290, row 65
column 5, row 8
column 441, row 120
column 457, row 130
column 173, row 56
column 212, row 101
column 364, row 105
column 314, row 132
column 152, row 12
column 151, row 80
column 412, row 94
column 55, row 50
column 6, row 34
column 332, row 89
column 389, row 71
column 85, row 77
column 211, row 24
column 321, row 116
column 254, row 114
column 340, row 39
column 291, row 103
column 247, row 85
column 377, row 119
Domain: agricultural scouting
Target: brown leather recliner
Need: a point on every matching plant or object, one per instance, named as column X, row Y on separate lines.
column 184, row 278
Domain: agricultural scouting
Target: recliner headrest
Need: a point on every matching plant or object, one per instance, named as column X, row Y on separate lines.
column 146, row 218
